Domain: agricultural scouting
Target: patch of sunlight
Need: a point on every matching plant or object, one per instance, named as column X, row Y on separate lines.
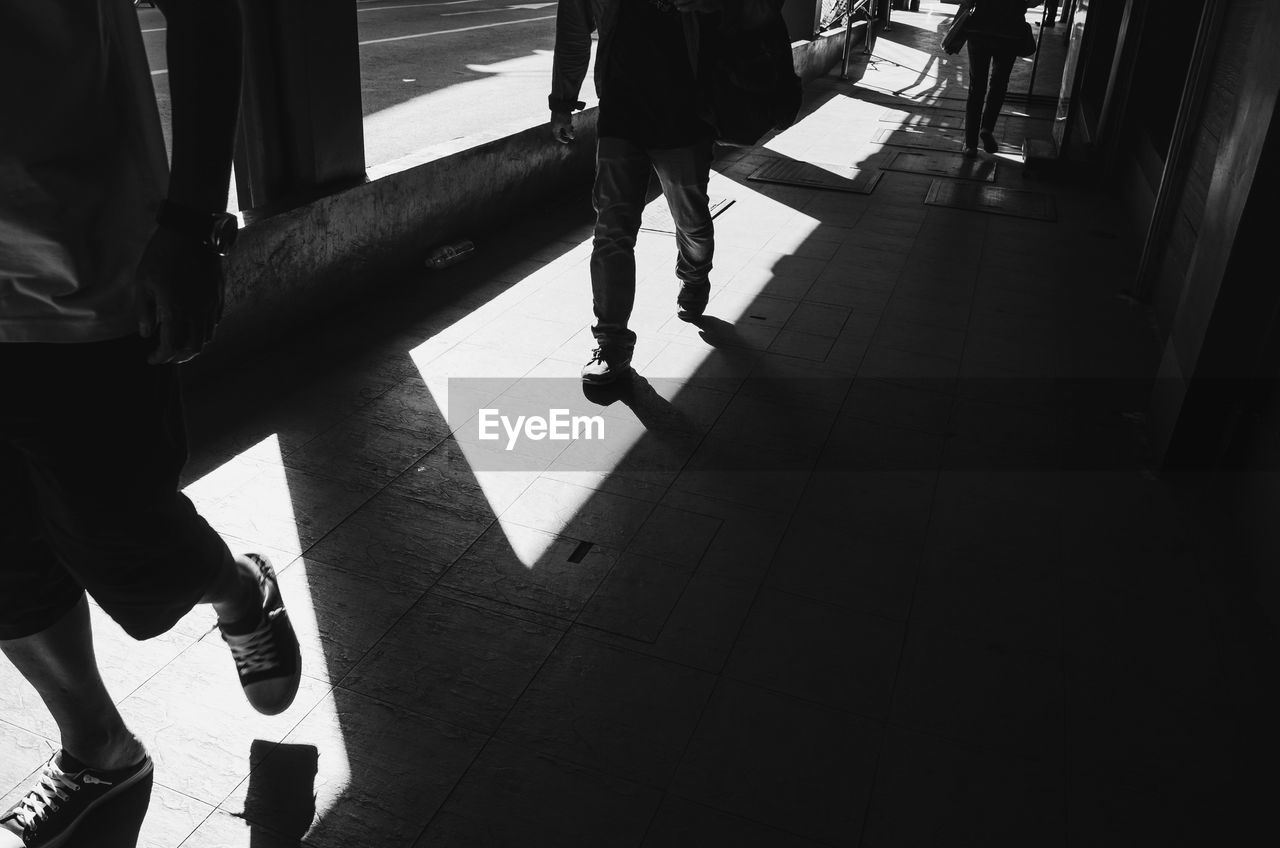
column 509, row 98
column 248, row 498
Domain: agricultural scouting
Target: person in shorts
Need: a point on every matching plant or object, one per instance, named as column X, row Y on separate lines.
column 110, row 277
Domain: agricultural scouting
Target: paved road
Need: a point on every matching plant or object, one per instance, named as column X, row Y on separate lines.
column 434, row 75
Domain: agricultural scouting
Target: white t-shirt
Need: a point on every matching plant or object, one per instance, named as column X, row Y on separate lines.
column 82, row 168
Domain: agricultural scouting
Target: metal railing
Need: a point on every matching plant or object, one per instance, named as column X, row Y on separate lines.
column 869, row 8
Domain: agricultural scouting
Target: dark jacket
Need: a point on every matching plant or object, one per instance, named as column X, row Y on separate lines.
column 1000, row 18
column 575, row 21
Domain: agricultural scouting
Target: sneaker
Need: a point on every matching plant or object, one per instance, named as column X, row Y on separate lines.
column 692, row 300
column 65, row 792
column 970, row 151
column 988, row 141
column 265, row 648
column 606, row 366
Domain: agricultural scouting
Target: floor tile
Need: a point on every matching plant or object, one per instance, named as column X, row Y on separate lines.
column 975, row 693
column 25, row 753
column 819, row 652
column 783, row 762
column 400, row 540
column 896, row 405
column 820, row 560
column 1000, row 601
column 562, row 508
column 362, row 451
column 455, row 660
column 199, row 728
column 610, row 709
column 514, row 796
column 636, row 598
column 287, row 509
column 339, row 614
column 532, row 569
column 448, row 478
column 681, row 823
column 972, row 797
column 676, row 536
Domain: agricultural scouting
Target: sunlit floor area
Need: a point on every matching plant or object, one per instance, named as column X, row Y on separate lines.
column 873, row 555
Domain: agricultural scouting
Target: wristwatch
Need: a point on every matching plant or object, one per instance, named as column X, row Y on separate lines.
column 215, row 231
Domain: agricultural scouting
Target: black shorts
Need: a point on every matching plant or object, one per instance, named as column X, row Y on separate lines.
column 92, row 442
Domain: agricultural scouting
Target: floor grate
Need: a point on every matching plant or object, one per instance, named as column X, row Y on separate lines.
column 657, row 215
column 818, row 175
column 993, row 199
column 952, row 165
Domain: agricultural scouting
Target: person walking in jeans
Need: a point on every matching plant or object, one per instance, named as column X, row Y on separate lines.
column 110, row 275
column 993, row 33
column 651, row 79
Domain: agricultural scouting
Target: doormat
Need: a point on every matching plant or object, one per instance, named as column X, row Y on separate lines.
column 817, row 175
column 993, row 199
column 657, row 215
column 952, row 165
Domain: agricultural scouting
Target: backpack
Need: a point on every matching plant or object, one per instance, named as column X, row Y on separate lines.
column 754, row 86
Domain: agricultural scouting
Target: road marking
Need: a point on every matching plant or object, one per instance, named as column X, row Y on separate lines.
column 533, row 7
column 459, row 29
column 415, row 5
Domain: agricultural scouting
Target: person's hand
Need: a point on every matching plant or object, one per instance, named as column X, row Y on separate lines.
column 180, row 296
column 562, row 127
column 703, row 6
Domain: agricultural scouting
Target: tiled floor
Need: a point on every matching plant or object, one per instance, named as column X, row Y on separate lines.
column 875, row 555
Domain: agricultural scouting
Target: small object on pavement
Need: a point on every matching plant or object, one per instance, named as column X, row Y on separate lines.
column 449, row 254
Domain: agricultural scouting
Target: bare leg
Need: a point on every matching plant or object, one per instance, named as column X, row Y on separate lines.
column 59, row 662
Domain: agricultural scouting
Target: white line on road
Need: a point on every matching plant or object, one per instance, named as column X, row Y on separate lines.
column 459, row 29
column 533, row 7
column 360, row 9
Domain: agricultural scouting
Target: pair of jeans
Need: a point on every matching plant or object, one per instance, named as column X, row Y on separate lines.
column 990, row 64
column 621, row 186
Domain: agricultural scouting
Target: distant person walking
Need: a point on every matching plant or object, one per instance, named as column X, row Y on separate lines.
column 994, row 31
column 651, row 78
column 110, row 275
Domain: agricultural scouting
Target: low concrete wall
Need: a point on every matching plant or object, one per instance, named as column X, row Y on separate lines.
column 290, row 268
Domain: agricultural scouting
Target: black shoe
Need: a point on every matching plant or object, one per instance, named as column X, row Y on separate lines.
column 65, row 792
column 692, row 300
column 970, row 151
column 265, row 648
column 989, row 141
column 607, row 365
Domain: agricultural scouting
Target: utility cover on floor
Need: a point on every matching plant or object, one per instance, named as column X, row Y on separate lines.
column 998, row 201
column 943, row 165
column 657, row 215
column 817, row 175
